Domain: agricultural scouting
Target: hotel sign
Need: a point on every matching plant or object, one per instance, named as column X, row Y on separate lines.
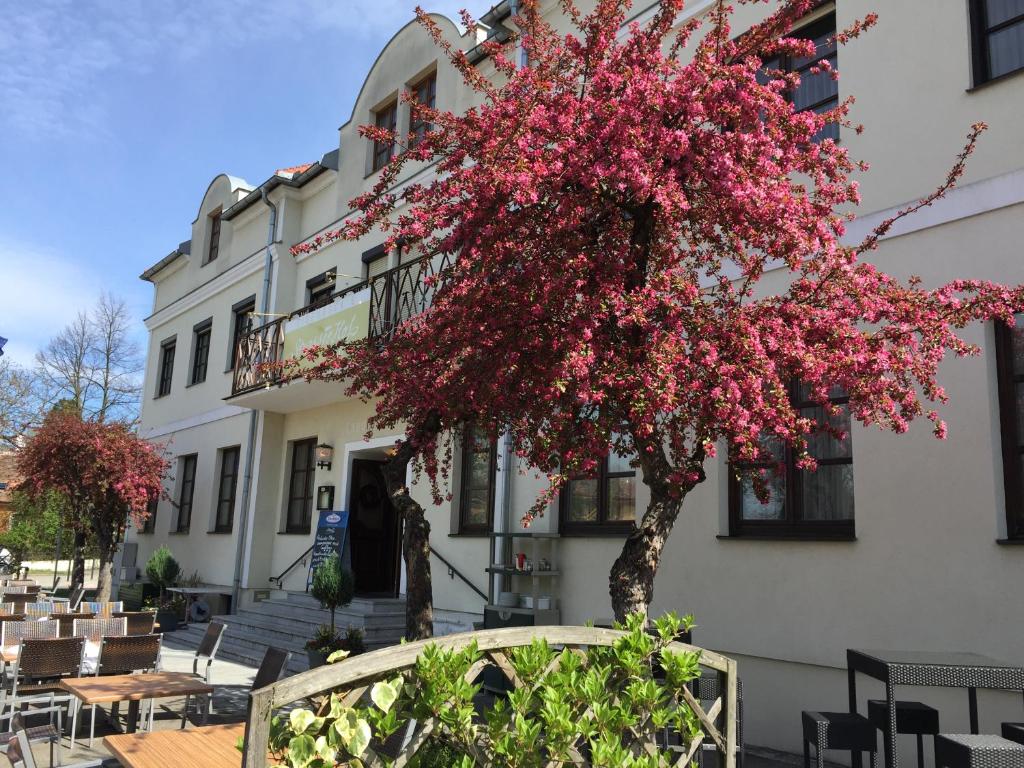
column 346, row 319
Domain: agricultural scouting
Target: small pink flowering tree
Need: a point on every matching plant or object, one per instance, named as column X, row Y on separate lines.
column 104, row 472
column 611, row 210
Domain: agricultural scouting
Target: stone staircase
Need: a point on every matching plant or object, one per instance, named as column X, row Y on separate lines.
column 289, row 622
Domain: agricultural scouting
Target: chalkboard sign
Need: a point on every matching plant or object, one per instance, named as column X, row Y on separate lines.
column 331, row 530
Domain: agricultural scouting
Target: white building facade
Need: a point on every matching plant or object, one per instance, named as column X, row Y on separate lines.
column 903, row 542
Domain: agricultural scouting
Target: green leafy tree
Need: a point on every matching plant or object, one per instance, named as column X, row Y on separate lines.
column 34, row 526
column 333, row 586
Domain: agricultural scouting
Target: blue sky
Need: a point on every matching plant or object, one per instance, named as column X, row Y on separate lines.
column 116, row 114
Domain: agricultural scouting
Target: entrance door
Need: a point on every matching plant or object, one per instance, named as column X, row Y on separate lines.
column 374, row 531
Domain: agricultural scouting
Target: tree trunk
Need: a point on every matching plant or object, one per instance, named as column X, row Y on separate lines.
column 105, row 578
column 419, row 593
column 78, row 561
column 631, row 583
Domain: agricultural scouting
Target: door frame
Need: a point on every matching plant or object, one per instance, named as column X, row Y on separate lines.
column 374, row 449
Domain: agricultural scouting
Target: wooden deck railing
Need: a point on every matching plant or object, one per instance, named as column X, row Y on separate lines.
column 353, row 678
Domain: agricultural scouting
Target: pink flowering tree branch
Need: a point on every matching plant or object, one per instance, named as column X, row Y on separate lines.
column 611, row 211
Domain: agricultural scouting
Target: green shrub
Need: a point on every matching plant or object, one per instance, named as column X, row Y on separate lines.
column 332, row 585
column 163, row 570
column 603, row 706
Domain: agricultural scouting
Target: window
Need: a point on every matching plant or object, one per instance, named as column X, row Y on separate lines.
column 383, row 151
column 300, row 487
column 816, row 92
column 149, row 524
column 476, row 496
column 213, row 249
column 186, row 491
column 601, row 503
column 424, row 92
column 997, row 28
column 802, row 503
column 376, row 261
column 200, row 351
column 320, row 289
column 163, row 386
column 1010, row 372
column 241, row 322
column 226, row 489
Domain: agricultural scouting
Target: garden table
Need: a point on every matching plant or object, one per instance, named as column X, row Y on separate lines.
column 927, row 668
column 212, row 746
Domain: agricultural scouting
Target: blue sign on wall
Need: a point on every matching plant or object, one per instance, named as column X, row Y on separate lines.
column 331, row 530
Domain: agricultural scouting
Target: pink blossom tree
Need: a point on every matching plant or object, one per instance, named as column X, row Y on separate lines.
column 610, row 211
column 105, row 474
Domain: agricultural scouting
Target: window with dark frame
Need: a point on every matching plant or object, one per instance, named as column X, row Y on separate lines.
column 320, row 289
column 383, row 151
column 200, row 351
column 476, row 493
column 1010, row 375
column 186, row 492
column 997, row 32
column 817, row 92
column 226, row 488
column 802, row 503
column 601, row 503
column 213, row 250
column 163, row 386
column 149, row 524
column 242, row 324
column 300, row 487
column 425, row 93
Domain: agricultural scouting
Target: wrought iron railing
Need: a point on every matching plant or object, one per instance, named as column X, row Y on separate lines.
column 404, row 292
column 395, row 296
column 256, row 356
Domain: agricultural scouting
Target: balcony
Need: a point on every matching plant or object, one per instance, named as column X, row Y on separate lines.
column 371, row 309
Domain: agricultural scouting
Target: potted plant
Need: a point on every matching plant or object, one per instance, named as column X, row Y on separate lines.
column 163, row 572
column 334, row 587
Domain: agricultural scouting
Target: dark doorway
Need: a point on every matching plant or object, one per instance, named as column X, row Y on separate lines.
column 374, row 531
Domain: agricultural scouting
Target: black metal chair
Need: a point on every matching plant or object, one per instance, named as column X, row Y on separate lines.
column 912, row 717
column 844, row 731
column 977, row 750
column 208, row 649
column 708, row 687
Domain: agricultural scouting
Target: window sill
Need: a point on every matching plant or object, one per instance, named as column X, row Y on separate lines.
column 220, row 533
column 994, row 80
column 596, row 533
column 295, row 533
column 841, row 538
column 1010, row 542
column 195, row 384
column 178, row 533
column 469, row 535
column 160, row 397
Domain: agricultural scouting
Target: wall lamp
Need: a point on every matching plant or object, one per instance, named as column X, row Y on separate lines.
column 324, row 454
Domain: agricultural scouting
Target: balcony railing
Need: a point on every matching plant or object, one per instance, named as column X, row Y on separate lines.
column 395, row 296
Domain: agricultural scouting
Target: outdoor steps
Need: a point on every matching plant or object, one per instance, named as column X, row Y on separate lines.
column 289, row 623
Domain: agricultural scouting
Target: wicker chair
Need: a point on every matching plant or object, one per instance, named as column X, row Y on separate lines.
column 67, row 622
column 12, row 633
column 40, row 665
column 13, row 590
column 104, row 609
column 6, row 608
column 121, row 656
column 139, row 622
column 96, row 629
column 59, row 606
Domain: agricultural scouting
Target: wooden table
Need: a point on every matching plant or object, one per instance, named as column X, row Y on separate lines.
column 211, row 746
column 134, row 689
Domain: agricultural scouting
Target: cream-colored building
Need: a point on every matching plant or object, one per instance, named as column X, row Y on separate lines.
column 903, row 542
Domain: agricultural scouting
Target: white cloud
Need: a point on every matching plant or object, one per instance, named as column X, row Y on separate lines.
column 41, row 291
column 55, row 54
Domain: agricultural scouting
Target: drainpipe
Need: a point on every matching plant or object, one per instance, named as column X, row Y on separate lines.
column 243, row 526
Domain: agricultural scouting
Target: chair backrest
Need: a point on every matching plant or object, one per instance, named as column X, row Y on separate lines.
column 104, row 609
column 14, row 632
column 94, row 629
column 19, row 750
column 132, row 653
column 67, row 622
column 23, row 583
column 59, row 607
column 211, row 640
column 38, row 610
column 54, row 657
column 15, row 590
column 32, row 589
column 139, row 622
column 75, row 598
column 6, row 608
column 274, row 661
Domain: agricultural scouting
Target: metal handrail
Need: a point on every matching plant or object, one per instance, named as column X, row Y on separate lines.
column 300, row 559
column 453, row 572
